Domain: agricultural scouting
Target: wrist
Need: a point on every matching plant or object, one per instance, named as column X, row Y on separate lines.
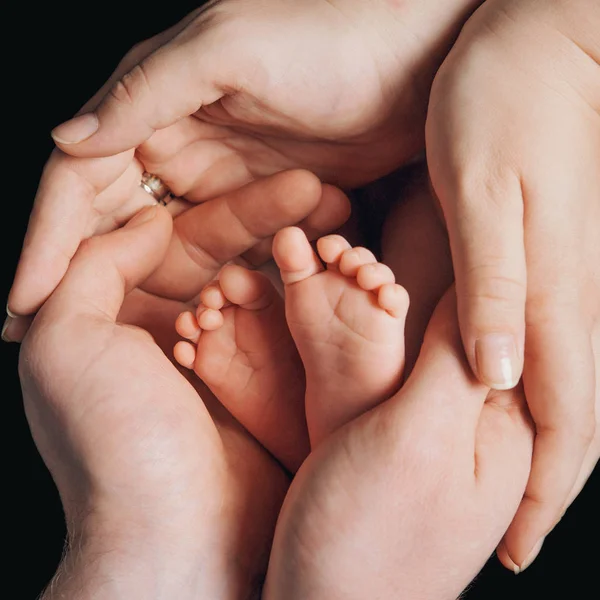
column 417, row 29
column 114, row 564
column 408, row 40
column 118, row 554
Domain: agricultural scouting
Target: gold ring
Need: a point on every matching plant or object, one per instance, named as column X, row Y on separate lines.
column 155, row 186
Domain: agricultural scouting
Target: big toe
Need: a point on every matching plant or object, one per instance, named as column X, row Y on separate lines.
column 294, row 256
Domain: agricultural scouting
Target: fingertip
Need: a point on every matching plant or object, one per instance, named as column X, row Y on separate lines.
column 332, row 212
column 15, row 328
column 303, row 183
column 533, row 554
column 497, row 360
column 75, row 130
column 9, row 312
column 505, row 559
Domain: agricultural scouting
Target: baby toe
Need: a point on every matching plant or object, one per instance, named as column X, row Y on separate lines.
column 187, row 326
column 352, row 260
column 209, row 319
column 294, row 256
column 332, row 247
column 393, row 298
column 185, row 354
column 373, row 275
column 212, row 296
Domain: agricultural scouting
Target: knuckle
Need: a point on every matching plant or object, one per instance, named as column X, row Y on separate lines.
column 88, row 246
column 489, row 184
column 485, row 283
column 131, row 87
column 546, row 503
column 195, row 251
column 38, row 356
column 586, row 431
column 574, row 427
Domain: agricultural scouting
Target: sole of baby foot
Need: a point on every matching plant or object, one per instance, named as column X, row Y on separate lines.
column 240, row 346
column 347, row 320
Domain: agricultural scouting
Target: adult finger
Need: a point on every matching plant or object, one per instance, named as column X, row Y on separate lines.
column 107, row 267
column 483, row 209
column 593, row 453
column 209, row 235
column 331, row 213
column 62, row 216
column 564, row 413
column 172, row 82
column 440, row 370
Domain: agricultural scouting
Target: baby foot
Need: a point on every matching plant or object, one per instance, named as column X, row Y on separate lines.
column 348, row 324
column 240, row 346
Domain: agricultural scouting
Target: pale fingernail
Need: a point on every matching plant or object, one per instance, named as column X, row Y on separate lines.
column 76, row 130
column 145, row 215
column 530, row 557
column 5, row 333
column 10, row 313
column 497, row 361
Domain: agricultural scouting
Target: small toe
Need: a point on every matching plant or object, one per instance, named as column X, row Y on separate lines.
column 209, row 319
column 372, row 276
column 185, row 354
column 187, row 326
column 352, row 260
column 212, row 296
column 331, row 248
column 393, row 298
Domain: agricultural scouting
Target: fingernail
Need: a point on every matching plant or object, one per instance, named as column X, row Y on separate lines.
column 530, row 557
column 505, row 558
column 497, row 361
column 10, row 313
column 76, row 130
column 145, row 215
column 5, row 334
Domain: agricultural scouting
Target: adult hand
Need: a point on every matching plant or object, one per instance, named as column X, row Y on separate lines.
column 236, row 91
column 239, row 223
column 157, row 481
column 513, row 143
column 410, row 499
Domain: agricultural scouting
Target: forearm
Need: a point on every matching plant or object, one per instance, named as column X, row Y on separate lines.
column 98, row 568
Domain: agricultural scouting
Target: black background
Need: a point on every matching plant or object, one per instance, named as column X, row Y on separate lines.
column 54, row 57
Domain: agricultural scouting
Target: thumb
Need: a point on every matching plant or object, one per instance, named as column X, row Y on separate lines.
column 485, row 228
column 165, row 86
column 107, row 267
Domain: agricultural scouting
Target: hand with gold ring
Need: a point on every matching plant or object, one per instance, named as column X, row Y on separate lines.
column 237, row 224
column 236, row 91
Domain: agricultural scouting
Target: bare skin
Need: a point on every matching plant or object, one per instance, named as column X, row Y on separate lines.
column 351, row 364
